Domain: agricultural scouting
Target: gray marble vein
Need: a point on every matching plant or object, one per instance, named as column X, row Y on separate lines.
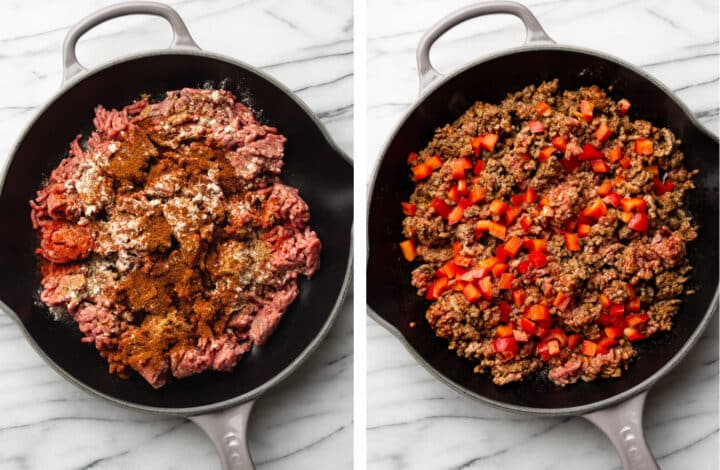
column 416, row 422
column 306, row 421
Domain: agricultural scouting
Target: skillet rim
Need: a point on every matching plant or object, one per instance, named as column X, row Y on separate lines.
column 341, row 296
column 628, row 393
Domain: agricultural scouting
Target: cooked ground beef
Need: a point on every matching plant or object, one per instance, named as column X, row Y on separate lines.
column 551, row 233
column 170, row 238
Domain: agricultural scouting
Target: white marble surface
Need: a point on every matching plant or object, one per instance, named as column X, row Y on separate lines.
column 414, row 421
column 305, row 422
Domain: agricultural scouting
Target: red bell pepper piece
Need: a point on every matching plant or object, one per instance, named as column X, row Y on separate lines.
column 499, row 268
column 497, row 230
column 488, row 263
column 562, row 301
column 538, row 312
column 517, row 199
column 617, row 310
column 458, row 166
column 613, row 332
column 602, row 133
column 558, row 334
column 614, row 199
column 456, row 215
column 408, row 250
column 511, row 214
column 623, row 106
column 535, row 244
column 412, row 156
column 574, row 340
column 625, row 162
column 634, row 321
column 536, row 127
column 462, row 187
column 636, row 204
column 486, row 287
column 506, row 281
column 436, row 288
column 521, row 336
column 586, row 109
column 662, row 188
column 498, row 206
column 502, row 345
column 525, row 222
column 528, row 326
column 504, row 331
column 639, row 222
column 605, row 301
column 590, row 152
column 477, row 194
column 538, row 259
column 513, row 245
column 604, row 345
column 595, row 210
column 454, row 194
column 634, row 305
column 583, row 230
column 530, row 195
column 625, row 216
column 605, row 188
column 559, row 142
column 505, row 310
column 543, row 109
column 486, row 141
column 408, row 208
column 614, row 154
column 589, row 348
column 421, row 171
column 524, row 266
column 548, row 349
column 518, row 296
column 546, row 153
column 632, row 334
column 500, row 253
column 644, row 146
column 479, row 167
column 599, row 166
column 441, row 207
column 572, row 242
column 472, row 293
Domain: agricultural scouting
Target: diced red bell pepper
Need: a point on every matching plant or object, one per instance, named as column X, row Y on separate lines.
column 530, row 195
column 481, row 227
column 412, row 156
column 604, row 345
column 614, row 199
column 456, row 215
column 595, row 210
column 535, row 244
column 625, row 216
column 502, row 345
column 408, row 250
column 630, row 290
column 546, row 153
column 488, row 263
column 544, row 201
column 524, row 266
column 538, row 259
column 486, row 141
column 605, row 301
column 605, row 188
column 486, row 287
column 498, row 206
column 559, row 142
column 421, row 171
column 617, row 310
column 589, row 348
column 518, row 297
column 639, row 222
column 603, row 132
column 528, row 326
column 557, row 334
column 614, row 154
column 458, row 166
column 590, row 152
column 497, row 230
column 517, row 199
column 441, row 207
column 526, row 222
column 636, row 204
column 538, row 312
column 572, row 242
column 625, row 162
column 521, row 336
column 454, row 194
column 500, row 253
column 543, row 109
column 472, row 293
column 536, row 127
column 632, row 334
column 505, row 310
column 644, row 147
column 662, row 188
column 452, row 270
column 634, row 305
column 504, row 331
column 634, row 321
column 474, row 273
column 613, row 332
column 604, row 319
column 434, row 162
column 653, row 170
column 586, row 109
column 477, row 194
column 583, row 230
column 599, row 166
column 479, row 167
column 511, row 214
column 462, row 187
column 574, row 340
column 499, row 268
column 408, row 208
column 623, row 106
column 513, row 245
column 562, row 301
column 506, row 281
column 548, row 349
column 436, row 289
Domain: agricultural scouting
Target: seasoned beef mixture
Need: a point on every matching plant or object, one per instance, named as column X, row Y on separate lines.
column 551, row 233
column 170, row 238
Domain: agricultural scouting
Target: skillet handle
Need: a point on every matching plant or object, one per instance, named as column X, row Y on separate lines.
column 181, row 35
column 535, row 33
column 227, row 429
column 622, row 424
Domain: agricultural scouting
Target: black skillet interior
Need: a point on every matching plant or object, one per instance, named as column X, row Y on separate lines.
column 311, row 164
column 392, row 297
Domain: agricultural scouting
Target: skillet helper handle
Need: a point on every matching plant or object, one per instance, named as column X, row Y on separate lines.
column 622, row 424
column 535, row 33
column 181, row 35
column 227, row 429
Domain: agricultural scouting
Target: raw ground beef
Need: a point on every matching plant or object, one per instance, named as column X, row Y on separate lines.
column 550, row 232
column 170, row 238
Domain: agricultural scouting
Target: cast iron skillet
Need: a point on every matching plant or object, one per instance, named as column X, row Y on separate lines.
column 220, row 403
column 614, row 405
